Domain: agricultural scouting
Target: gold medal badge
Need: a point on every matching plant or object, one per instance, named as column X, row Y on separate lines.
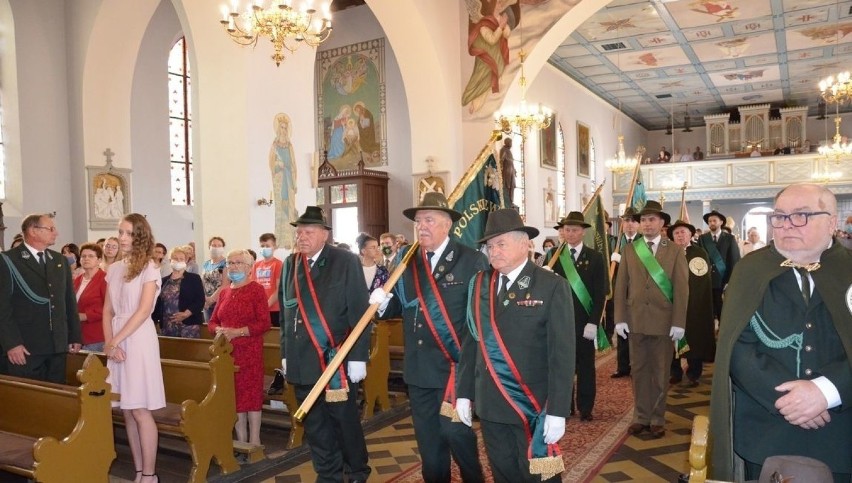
column 698, row 266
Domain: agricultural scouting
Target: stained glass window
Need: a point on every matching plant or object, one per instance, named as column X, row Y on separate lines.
column 180, row 125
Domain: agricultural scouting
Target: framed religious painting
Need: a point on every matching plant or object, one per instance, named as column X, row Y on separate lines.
column 583, row 150
column 351, row 110
column 109, row 194
column 547, row 140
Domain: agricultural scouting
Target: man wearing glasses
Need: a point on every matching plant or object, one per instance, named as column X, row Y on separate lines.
column 783, row 379
column 39, row 323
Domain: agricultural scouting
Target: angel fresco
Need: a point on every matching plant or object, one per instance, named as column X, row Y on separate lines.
column 282, row 164
column 490, row 25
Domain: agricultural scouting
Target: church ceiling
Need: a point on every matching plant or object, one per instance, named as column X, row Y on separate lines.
column 708, row 56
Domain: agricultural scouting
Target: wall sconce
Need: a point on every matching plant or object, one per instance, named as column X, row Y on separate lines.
column 264, row 201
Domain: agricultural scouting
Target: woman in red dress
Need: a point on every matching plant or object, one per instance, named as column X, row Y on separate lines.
column 242, row 315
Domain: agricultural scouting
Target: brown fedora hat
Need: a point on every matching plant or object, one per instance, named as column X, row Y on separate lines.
column 653, row 208
column 714, row 213
column 680, row 223
column 313, row 216
column 433, row 201
column 574, row 218
column 630, row 212
column 503, row 221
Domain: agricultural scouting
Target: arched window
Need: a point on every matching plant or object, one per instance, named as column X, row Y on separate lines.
column 560, row 171
column 593, row 161
column 518, row 149
column 180, row 125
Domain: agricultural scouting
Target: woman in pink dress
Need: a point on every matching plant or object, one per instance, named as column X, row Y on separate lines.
column 131, row 341
column 242, row 314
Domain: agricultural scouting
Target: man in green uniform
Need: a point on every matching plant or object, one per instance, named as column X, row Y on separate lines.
column 783, row 380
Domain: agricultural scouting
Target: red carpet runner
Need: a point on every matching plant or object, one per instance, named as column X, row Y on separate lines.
column 586, row 446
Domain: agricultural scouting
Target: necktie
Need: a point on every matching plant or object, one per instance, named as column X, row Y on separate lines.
column 574, row 255
column 651, row 246
column 429, row 256
column 806, row 284
column 504, row 287
column 40, row 258
column 715, row 239
column 311, row 263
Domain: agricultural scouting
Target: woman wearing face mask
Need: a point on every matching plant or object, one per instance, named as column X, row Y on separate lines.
column 211, row 274
column 242, row 314
column 375, row 275
column 181, row 301
column 90, row 286
column 110, row 252
column 71, row 252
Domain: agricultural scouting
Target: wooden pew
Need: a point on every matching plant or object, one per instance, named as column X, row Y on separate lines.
column 196, row 350
column 375, row 385
column 56, row 433
column 200, row 408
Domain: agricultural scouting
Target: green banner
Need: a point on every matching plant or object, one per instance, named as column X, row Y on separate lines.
column 479, row 198
column 596, row 235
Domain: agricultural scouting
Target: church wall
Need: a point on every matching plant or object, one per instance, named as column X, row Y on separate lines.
column 149, row 122
column 42, row 123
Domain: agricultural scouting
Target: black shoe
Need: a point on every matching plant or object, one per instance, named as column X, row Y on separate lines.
column 277, row 385
column 618, row 374
column 691, row 383
column 586, row 417
column 675, row 380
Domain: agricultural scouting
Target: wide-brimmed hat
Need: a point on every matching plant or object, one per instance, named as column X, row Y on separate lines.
column 794, row 468
column 714, row 213
column 653, row 208
column 433, row 200
column 630, row 212
column 574, row 218
column 313, row 216
column 503, row 221
column 680, row 223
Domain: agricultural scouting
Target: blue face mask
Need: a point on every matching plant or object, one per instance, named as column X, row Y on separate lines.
column 236, row 277
column 849, row 228
column 266, row 252
column 71, row 259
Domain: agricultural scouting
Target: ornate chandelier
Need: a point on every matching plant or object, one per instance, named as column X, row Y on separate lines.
column 286, row 26
column 620, row 163
column 524, row 117
column 840, row 147
column 836, row 89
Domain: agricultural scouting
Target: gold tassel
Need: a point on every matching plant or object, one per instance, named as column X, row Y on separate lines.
column 449, row 411
column 336, row 395
column 547, row 466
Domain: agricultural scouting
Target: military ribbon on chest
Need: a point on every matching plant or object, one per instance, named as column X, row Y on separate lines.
column 577, row 285
column 318, row 330
column 544, row 459
column 440, row 325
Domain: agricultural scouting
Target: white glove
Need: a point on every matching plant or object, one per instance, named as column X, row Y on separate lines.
column 379, row 296
column 547, row 268
column 554, row 429
column 622, row 330
column 590, row 331
column 463, row 410
column 356, row 370
column 284, row 366
column 615, row 257
column 676, row 333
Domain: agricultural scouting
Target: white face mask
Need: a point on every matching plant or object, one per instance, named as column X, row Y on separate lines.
column 217, row 252
column 178, row 266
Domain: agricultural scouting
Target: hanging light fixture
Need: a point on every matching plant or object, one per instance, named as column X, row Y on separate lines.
column 620, row 163
column 286, row 26
column 687, row 121
column 523, row 117
column 837, row 89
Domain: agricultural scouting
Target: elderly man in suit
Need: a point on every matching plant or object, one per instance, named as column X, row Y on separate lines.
column 39, row 322
column 522, row 337
column 585, row 270
column 782, row 384
column 651, row 296
column 724, row 253
column 432, row 298
column 323, row 297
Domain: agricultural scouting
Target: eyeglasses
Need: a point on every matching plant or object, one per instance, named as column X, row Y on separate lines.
column 797, row 219
column 48, row 228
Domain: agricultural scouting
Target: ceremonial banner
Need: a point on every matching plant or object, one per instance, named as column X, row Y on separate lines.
column 596, row 238
column 480, row 196
column 639, row 196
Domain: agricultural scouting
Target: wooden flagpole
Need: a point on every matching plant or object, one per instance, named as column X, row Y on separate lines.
column 365, row 320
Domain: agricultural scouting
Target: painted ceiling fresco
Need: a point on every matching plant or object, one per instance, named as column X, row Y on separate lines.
column 708, row 56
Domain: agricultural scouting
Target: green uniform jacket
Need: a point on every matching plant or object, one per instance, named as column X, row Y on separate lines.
column 749, row 284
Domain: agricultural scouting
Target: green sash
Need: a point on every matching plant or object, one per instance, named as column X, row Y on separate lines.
column 716, row 257
column 575, row 281
column 646, row 256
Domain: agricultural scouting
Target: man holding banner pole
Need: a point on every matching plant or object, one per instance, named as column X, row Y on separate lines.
column 585, row 270
column 651, row 296
column 432, row 297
